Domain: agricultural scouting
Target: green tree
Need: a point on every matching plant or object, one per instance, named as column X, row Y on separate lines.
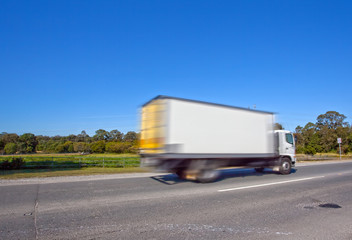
column 330, row 126
column 83, row 137
column 98, row 146
column 101, row 134
column 2, row 145
column 130, row 137
column 27, row 143
column 117, row 147
column 331, row 120
column 60, row 148
column 10, row 148
column 310, row 139
column 116, row 135
column 9, row 138
column 81, row 147
column 72, row 138
column 344, row 133
column 50, row 146
column 66, row 147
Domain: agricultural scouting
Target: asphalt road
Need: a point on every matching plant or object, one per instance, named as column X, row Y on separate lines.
column 314, row 202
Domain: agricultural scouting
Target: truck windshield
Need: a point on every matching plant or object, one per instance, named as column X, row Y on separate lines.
column 289, row 138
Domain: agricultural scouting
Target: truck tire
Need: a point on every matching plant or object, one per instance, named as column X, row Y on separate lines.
column 181, row 173
column 207, row 175
column 285, row 166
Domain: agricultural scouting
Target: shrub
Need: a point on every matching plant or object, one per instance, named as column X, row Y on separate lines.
column 16, row 163
column 81, row 147
column 10, row 148
column 117, row 147
column 98, row 147
column 310, row 150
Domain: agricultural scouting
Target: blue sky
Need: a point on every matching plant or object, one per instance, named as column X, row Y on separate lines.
column 68, row 66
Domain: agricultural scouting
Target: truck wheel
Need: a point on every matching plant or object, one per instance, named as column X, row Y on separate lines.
column 207, row 175
column 181, row 173
column 285, row 167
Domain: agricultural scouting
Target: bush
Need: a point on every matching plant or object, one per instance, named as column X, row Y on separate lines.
column 117, row 147
column 310, row 150
column 81, row 147
column 10, row 148
column 16, row 163
column 98, row 147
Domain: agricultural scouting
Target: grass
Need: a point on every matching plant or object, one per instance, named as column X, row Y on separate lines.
column 322, row 156
column 53, row 165
column 115, row 155
column 75, row 160
column 40, row 173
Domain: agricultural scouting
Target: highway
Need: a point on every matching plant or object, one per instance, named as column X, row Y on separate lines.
column 313, row 202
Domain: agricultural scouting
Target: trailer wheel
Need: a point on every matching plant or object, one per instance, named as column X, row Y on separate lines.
column 207, row 175
column 285, row 166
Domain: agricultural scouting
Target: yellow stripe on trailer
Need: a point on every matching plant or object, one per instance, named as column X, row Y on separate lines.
column 153, row 127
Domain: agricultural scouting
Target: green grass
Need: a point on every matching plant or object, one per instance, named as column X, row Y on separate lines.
column 72, row 155
column 31, row 173
column 75, row 160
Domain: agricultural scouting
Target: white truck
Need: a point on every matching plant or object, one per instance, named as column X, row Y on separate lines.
column 195, row 138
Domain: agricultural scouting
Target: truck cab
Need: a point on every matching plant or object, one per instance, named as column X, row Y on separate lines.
column 286, row 145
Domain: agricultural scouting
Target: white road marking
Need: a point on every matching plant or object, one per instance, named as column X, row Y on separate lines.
column 268, row 184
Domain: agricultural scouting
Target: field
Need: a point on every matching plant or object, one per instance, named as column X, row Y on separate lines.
column 53, row 165
column 50, row 165
column 74, row 160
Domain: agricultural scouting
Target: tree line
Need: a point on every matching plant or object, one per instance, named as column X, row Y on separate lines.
column 321, row 136
column 102, row 142
column 318, row 137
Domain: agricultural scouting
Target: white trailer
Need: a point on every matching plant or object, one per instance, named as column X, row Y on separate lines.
column 193, row 137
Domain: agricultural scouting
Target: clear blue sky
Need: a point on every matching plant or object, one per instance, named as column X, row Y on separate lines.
column 68, row 66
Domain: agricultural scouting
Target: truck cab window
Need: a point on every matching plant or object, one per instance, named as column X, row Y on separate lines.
column 289, row 138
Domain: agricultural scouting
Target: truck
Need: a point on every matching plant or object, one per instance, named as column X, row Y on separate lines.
column 194, row 139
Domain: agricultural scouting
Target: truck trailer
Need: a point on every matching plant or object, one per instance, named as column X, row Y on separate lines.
column 196, row 138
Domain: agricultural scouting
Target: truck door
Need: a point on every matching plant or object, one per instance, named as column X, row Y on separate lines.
column 287, row 144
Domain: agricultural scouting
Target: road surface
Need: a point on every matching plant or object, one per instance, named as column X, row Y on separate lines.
column 314, row 202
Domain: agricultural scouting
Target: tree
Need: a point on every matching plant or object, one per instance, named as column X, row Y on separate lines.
column 130, row 137
column 50, row 146
column 10, row 148
column 299, row 139
column 27, row 143
column 101, row 134
column 331, row 120
column 2, row 144
column 81, row 147
column 310, row 139
column 98, row 147
column 117, row 147
column 9, row 138
column 83, row 137
column 330, row 126
column 116, row 135
column 278, row 126
column 72, row 138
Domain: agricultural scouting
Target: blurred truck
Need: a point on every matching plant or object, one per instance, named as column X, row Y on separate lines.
column 194, row 139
